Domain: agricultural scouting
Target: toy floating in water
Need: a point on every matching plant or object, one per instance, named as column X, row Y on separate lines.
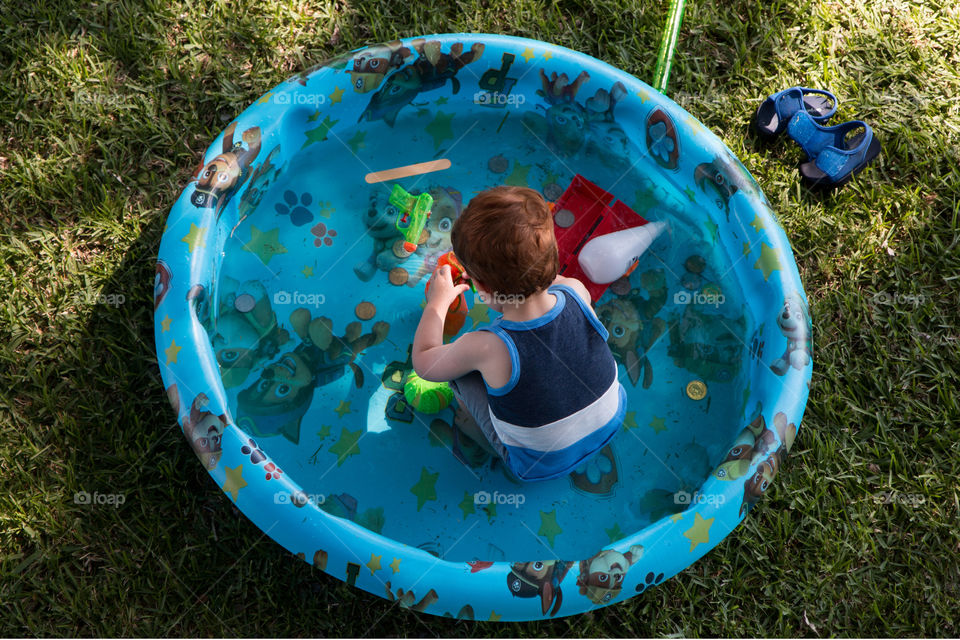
column 583, row 215
column 286, row 364
column 611, row 256
column 414, row 213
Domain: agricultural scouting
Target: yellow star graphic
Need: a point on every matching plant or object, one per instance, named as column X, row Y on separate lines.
column 265, row 244
column 694, row 124
column 768, row 262
column 395, row 565
column 494, row 616
column 657, row 425
column 630, row 420
column 518, row 177
column 527, row 54
column 234, row 481
column 374, row 564
column 336, row 96
column 342, row 408
column 197, row 236
column 166, row 323
column 307, row 271
column 699, row 533
column 479, row 313
column 677, row 517
column 643, row 96
column 547, row 55
column 757, row 223
column 265, row 98
column 172, row 351
column 746, row 248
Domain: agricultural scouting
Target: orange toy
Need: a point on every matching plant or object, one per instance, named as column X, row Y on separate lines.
column 457, row 312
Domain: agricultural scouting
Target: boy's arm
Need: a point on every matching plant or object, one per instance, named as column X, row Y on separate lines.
column 443, row 362
column 433, row 360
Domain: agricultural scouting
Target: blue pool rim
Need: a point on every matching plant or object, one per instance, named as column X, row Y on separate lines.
column 376, row 563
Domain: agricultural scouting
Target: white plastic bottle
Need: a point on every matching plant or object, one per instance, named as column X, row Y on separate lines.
column 607, row 257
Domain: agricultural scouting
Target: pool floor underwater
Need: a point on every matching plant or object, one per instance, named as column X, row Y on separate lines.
column 318, row 253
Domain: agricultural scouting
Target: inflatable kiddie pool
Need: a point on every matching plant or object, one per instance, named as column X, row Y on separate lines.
column 286, row 306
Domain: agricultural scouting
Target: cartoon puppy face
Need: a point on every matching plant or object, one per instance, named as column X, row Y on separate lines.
column 601, row 577
column 539, row 578
column 446, row 208
column 219, row 175
column 281, row 384
column 205, row 430
column 381, row 216
column 235, row 347
column 622, row 322
column 792, row 321
column 566, row 127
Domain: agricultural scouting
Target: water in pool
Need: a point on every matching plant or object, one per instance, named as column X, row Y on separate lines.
column 318, row 254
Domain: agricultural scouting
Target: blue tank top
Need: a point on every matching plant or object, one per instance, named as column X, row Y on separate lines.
column 563, row 402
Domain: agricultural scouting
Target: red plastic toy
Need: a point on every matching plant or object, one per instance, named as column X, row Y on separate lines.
column 457, row 312
column 585, row 210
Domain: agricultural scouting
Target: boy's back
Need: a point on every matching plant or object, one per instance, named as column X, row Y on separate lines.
column 541, row 381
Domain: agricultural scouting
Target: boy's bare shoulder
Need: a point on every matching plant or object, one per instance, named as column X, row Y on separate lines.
column 576, row 285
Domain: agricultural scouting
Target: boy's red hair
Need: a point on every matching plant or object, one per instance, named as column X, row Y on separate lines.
column 505, row 241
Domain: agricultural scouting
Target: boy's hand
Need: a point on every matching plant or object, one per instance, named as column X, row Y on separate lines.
column 442, row 291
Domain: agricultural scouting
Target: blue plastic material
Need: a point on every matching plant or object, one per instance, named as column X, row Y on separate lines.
column 829, row 148
column 286, row 306
column 775, row 111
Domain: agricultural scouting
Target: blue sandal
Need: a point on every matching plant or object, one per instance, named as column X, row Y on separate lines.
column 832, row 157
column 775, row 112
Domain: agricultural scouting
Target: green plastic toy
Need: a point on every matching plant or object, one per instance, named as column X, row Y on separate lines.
column 414, row 213
column 425, row 396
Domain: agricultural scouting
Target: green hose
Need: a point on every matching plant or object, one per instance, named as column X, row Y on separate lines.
column 671, row 32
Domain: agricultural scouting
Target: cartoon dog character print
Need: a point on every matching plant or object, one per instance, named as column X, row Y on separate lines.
column 795, row 325
column 751, row 443
column 431, row 70
column 706, row 344
column 606, row 138
column 447, row 205
column 368, row 67
column 220, row 178
column 566, row 118
column 601, row 577
column 204, row 431
column 568, row 125
column 277, row 401
column 380, row 219
column 721, row 177
column 388, row 253
column 541, row 579
column 630, row 320
column 756, row 445
column 245, row 333
column 261, row 180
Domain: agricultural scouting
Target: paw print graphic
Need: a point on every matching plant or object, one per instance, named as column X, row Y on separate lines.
column 650, row 580
column 326, row 208
column 251, row 449
column 257, row 456
column 295, row 207
column 324, row 236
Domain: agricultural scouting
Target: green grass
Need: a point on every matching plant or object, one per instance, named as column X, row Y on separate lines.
column 106, row 108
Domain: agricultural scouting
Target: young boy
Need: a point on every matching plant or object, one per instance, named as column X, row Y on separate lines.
column 540, row 382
